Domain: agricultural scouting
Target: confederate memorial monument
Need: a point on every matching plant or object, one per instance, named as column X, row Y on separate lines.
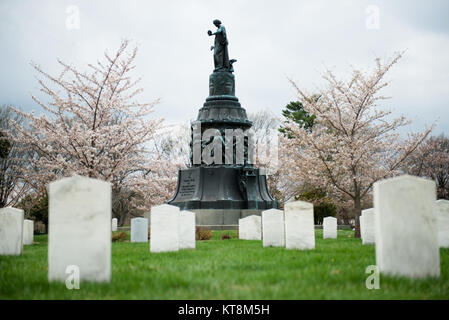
column 221, row 184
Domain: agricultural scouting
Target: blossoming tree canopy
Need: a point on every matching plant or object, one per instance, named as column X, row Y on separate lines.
column 353, row 143
column 93, row 125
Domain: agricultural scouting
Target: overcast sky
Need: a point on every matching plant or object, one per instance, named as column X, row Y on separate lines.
column 271, row 40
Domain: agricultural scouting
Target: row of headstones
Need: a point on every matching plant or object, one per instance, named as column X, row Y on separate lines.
column 80, row 228
column 15, row 231
column 292, row 228
column 407, row 225
column 171, row 229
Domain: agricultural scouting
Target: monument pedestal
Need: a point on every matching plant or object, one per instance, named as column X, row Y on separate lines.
column 221, row 187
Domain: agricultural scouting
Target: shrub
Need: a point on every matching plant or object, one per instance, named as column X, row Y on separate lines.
column 322, row 203
column 322, row 210
column 226, row 236
column 36, row 207
column 203, row 234
column 119, row 236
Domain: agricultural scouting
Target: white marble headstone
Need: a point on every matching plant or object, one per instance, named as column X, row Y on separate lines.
column 368, row 223
column 28, row 232
column 273, row 228
column 114, row 224
column 11, row 231
column 164, row 234
column 362, row 226
column 330, row 228
column 299, row 225
column 187, row 230
column 250, row 228
column 406, row 227
column 139, row 230
column 79, row 218
column 443, row 223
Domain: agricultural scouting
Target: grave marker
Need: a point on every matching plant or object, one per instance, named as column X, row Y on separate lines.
column 330, row 228
column 79, row 218
column 406, row 227
column 11, row 231
column 139, row 230
column 164, row 234
column 250, row 228
column 299, row 225
column 273, row 228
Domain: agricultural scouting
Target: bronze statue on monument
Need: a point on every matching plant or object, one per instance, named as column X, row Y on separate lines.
column 220, row 47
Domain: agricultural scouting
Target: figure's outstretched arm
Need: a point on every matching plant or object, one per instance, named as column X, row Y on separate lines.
column 219, row 30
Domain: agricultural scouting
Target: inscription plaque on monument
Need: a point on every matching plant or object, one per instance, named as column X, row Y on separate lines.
column 188, row 184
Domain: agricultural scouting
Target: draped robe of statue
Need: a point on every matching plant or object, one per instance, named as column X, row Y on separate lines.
column 221, row 57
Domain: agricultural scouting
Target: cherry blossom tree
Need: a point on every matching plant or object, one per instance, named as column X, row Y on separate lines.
column 92, row 125
column 432, row 160
column 283, row 183
column 353, row 142
column 171, row 150
column 13, row 156
column 272, row 156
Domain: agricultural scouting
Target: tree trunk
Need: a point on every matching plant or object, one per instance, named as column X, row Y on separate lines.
column 357, row 213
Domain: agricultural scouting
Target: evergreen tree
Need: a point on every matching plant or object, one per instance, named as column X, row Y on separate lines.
column 295, row 111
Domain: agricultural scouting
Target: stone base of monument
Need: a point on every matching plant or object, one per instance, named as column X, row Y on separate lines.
column 222, row 188
column 222, row 219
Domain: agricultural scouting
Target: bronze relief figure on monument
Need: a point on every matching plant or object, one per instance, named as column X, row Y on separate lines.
column 221, row 185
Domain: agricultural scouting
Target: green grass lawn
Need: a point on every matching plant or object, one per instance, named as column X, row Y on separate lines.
column 224, row 269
